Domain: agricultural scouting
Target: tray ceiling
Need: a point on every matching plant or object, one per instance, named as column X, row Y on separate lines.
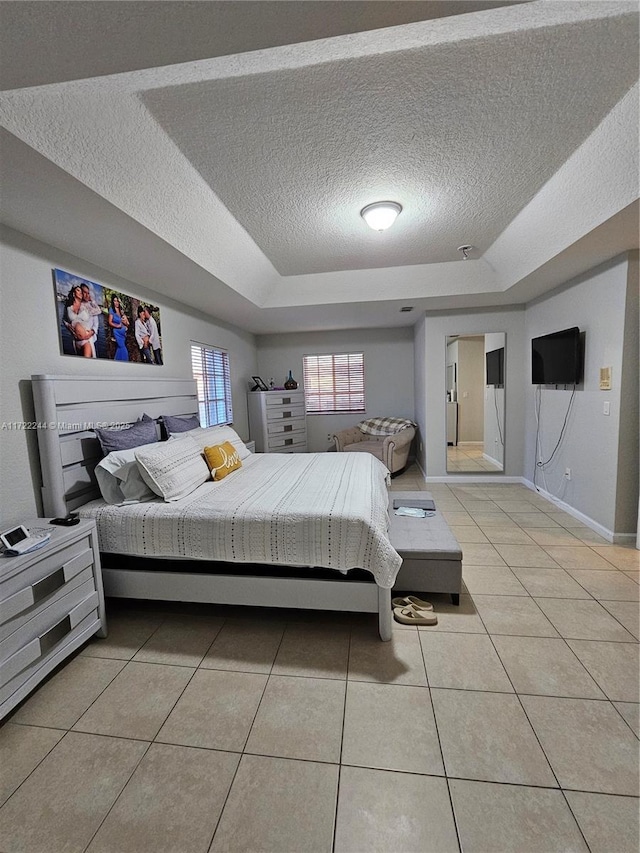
column 463, row 134
column 230, row 147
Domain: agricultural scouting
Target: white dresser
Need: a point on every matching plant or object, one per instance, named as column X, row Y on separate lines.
column 278, row 421
column 51, row 601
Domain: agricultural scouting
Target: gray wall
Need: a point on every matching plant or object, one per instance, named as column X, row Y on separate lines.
column 420, row 390
column 628, row 460
column 601, row 303
column 494, row 399
column 430, row 349
column 470, row 390
column 29, row 344
column 388, row 372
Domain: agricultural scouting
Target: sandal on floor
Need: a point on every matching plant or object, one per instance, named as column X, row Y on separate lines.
column 412, row 601
column 409, row 616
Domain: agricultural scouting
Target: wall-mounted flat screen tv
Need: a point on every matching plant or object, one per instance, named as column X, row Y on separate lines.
column 556, row 359
column 495, row 367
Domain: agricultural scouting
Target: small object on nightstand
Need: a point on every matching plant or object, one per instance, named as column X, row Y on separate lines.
column 19, row 540
column 67, row 521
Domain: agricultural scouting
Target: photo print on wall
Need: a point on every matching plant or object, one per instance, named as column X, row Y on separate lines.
column 95, row 321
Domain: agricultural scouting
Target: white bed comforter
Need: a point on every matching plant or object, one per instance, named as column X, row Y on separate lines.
column 312, row 509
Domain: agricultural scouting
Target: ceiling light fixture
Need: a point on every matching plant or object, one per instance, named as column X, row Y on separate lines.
column 381, row 215
column 465, row 252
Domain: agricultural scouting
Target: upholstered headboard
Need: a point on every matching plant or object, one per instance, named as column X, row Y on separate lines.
column 67, row 409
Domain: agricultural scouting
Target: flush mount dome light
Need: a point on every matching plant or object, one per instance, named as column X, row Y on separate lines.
column 381, row 215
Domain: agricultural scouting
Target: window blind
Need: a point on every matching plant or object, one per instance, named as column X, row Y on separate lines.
column 334, row 383
column 210, row 368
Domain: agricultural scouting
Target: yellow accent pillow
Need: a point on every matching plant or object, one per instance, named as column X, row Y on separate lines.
column 222, row 459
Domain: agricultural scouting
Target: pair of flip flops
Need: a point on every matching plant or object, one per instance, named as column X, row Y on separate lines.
column 411, row 610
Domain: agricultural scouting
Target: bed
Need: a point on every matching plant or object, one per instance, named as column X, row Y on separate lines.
column 283, row 531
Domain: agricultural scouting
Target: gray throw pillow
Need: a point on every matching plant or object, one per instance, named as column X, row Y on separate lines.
column 139, row 433
column 173, row 424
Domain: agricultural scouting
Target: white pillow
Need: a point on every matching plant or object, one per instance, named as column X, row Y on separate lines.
column 173, row 469
column 108, row 484
column 209, row 436
column 120, row 480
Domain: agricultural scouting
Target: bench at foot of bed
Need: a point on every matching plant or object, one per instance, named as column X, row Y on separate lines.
column 431, row 555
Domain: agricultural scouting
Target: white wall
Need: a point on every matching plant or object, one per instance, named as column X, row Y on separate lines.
column 388, row 372
column 29, row 344
column 430, row 350
column 597, row 303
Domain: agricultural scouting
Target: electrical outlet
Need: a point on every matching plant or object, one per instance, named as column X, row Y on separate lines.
column 567, row 473
column 329, row 437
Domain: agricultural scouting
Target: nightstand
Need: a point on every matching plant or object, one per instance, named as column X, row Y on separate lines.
column 51, row 602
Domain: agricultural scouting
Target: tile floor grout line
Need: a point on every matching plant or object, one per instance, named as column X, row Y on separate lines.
column 346, row 690
column 224, row 804
column 49, row 751
column 583, row 665
column 627, row 642
column 624, row 719
column 521, row 703
column 444, row 766
column 264, row 690
column 344, row 716
column 575, row 819
column 120, row 793
column 178, row 698
column 335, row 810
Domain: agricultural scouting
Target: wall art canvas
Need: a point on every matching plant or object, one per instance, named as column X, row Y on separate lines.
column 95, row 321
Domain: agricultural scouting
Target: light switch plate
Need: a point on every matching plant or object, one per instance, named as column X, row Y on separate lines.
column 606, row 408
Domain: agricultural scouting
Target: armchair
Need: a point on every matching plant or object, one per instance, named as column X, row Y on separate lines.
column 392, row 450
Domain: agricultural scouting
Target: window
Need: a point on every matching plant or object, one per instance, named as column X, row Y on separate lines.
column 210, row 368
column 334, row 383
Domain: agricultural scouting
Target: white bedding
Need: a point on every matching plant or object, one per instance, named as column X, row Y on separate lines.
column 313, row 509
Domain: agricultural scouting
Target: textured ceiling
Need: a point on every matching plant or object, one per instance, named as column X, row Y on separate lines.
column 508, row 128
column 48, row 42
column 462, row 134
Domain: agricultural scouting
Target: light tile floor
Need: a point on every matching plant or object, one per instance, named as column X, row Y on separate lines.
column 512, row 725
column 470, row 458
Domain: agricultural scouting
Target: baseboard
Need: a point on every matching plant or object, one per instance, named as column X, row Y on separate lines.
column 473, row 478
column 493, row 461
column 469, row 444
column 626, row 539
column 609, row 535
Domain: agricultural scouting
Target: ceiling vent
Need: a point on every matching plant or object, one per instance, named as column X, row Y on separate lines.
column 406, row 308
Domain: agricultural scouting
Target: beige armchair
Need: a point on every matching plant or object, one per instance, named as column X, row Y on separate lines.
column 392, row 450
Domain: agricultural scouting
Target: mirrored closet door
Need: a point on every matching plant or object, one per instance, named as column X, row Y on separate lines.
column 475, row 400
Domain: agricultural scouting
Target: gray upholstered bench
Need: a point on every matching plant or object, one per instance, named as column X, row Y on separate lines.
column 431, row 555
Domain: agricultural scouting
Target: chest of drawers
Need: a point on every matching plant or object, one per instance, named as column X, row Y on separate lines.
column 51, row 601
column 278, row 421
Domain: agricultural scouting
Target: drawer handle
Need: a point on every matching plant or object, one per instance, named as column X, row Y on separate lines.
column 288, row 428
column 286, row 414
column 47, row 585
column 53, row 636
column 286, row 401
